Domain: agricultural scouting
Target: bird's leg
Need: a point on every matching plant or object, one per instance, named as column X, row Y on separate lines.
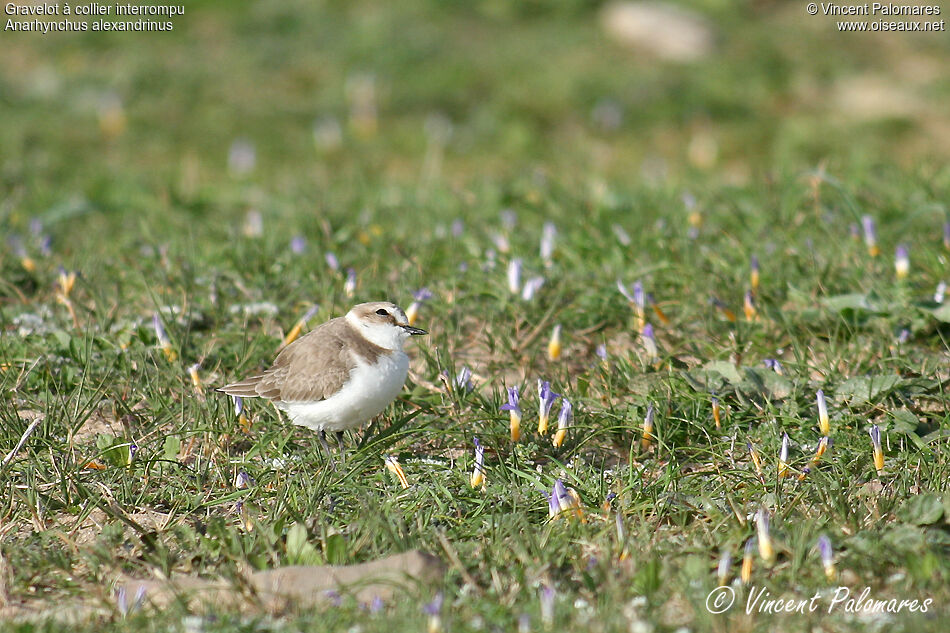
column 326, row 447
column 339, row 442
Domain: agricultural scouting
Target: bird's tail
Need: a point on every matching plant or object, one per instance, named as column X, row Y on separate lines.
column 246, row 388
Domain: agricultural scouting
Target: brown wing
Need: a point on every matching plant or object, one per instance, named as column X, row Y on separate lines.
column 312, row 368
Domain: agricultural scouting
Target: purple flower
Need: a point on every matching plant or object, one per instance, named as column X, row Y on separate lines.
column 508, row 219
column 870, row 234
column 548, row 235
column 434, row 608
column 458, row 228
column 554, row 508
column 242, row 157
column 334, row 597
column 122, row 601
column 238, row 405
column 563, row 421
column 298, row 244
column 463, row 379
column 546, row 399
column 422, row 294
column 376, row 605
column 531, row 288
column 563, row 499
column 566, row 415
column 639, row 298
column 825, row 550
column 513, row 401
column 243, row 480
column 547, row 605
column 514, row 275
column 774, row 365
column 649, row 343
column 332, row 261
column 827, row 557
column 478, row 472
column 309, row 314
column 524, row 623
column 901, row 261
column 349, row 287
column 45, row 244
column 725, row 564
column 159, row 328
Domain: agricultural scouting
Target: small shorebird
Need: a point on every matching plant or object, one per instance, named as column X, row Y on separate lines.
column 339, row 375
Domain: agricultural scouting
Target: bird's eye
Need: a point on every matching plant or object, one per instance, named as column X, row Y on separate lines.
column 382, row 312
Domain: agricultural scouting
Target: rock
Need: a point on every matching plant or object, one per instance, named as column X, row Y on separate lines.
column 303, row 586
column 669, row 32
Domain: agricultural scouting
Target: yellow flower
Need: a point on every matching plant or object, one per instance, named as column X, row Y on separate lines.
column 766, row 548
column 554, row 346
column 392, row 465
column 478, row 472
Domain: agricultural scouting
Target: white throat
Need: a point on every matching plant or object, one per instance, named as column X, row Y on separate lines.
column 387, row 336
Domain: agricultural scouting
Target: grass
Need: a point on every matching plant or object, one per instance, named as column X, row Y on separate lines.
column 482, row 107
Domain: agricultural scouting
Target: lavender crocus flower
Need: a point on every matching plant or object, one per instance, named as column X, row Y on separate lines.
column 725, row 564
column 827, row 556
column 546, row 399
column 463, row 379
column 349, row 287
column 548, row 235
column 531, row 288
column 298, row 245
column 783, row 457
column 649, row 344
column 420, row 296
column 243, row 480
column 766, row 548
column 870, row 234
column 514, row 409
column 514, row 276
column 478, row 472
column 878, row 451
column 547, row 605
column 564, row 419
column 508, row 219
column 901, row 262
column 824, row 424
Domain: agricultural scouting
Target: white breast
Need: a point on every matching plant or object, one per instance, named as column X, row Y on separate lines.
column 369, row 390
